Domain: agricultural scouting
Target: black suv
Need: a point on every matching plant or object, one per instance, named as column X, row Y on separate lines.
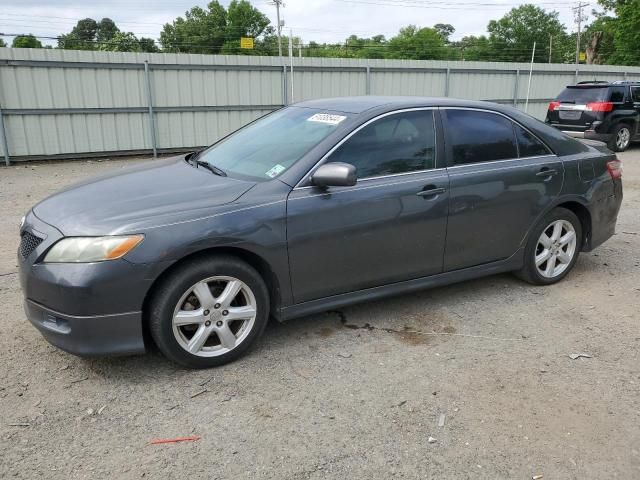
column 604, row 111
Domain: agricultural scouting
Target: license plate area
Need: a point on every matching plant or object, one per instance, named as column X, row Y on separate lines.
column 570, row 114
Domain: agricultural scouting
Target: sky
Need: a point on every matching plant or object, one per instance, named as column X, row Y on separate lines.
column 318, row 20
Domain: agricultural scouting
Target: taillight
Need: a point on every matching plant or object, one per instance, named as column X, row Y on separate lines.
column 615, row 168
column 553, row 106
column 599, row 106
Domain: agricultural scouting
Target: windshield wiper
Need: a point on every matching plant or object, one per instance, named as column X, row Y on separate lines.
column 208, row 166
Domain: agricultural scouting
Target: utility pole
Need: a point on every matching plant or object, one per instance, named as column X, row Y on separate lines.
column 550, row 46
column 278, row 4
column 580, row 17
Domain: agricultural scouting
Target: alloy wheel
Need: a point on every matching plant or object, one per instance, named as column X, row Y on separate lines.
column 214, row 316
column 623, row 138
column 555, row 249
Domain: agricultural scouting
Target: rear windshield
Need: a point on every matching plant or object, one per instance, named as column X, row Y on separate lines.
column 583, row 95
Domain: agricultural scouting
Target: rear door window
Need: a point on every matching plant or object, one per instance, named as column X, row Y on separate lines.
column 528, row 144
column 583, row 95
column 635, row 94
column 477, row 136
column 616, row 94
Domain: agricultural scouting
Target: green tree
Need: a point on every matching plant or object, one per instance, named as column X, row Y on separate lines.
column 106, row 30
column 81, row 37
column 148, row 45
column 513, row 35
column 621, row 33
column 2, row 43
column 415, row 43
column 121, row 42
column 445, row 30
column 207, row 30
column 26, row 41
column 474, row 48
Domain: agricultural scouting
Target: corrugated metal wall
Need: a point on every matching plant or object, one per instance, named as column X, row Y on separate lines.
column 78, row 103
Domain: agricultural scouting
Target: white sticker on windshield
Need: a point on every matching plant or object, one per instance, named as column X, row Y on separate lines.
column 326, row 118
column 275, row 171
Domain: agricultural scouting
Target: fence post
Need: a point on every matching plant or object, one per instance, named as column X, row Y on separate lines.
column 285, row 89
column 446, row 82
column 3, row 134
column 624, row 75
column 368, row 85
column 515, row 88
column 152, row 123
column 3, row 137
column 577, row 73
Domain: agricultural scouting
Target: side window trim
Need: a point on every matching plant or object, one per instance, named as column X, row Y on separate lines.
column 448, row 153
column 439, row 152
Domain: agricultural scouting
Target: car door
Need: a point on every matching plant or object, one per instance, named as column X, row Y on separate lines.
column 502, row 178
column 387, row 228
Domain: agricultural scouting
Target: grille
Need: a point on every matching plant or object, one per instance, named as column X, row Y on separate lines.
column 28, row 243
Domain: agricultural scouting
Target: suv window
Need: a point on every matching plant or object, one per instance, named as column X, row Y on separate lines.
column 616, row 94
column 583, row 95
column 635, row 94
column 480, row 136
column 398, row 143
column 529, row 145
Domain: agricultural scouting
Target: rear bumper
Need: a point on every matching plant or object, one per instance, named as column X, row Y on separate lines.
column 604, row 215
column 119, row 334
column 588, row 134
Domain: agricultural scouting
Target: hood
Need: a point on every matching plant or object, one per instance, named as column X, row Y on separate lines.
column 150, row 194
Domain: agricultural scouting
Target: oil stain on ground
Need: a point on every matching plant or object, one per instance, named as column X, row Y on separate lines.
column 407, row 335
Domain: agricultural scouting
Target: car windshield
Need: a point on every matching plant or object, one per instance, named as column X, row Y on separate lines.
column 583, row 95
column 267, row 147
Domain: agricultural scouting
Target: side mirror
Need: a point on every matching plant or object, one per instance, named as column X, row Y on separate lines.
column 334, row 174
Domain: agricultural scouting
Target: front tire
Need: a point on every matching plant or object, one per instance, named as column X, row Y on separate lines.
column 620, row 139
column 208, row 311
column 553, row 248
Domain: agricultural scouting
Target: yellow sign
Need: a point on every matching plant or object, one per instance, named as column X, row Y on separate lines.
column 583, row 56
column 246, row 42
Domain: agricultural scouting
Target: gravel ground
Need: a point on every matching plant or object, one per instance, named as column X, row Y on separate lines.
column 328, row 397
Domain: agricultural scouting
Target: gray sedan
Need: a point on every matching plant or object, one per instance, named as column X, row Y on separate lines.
column 315, row 206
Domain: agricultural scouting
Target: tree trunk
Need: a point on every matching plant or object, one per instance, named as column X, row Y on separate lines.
column 593, row 57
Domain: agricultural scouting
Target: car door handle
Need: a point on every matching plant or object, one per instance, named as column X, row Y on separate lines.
column 429, row 192
column 546, row 172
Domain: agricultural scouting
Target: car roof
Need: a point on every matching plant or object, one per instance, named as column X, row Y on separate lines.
column 363, row 103
column 602, row 83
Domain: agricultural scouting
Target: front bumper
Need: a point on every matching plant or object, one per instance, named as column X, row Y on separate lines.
column 117, row 334
column 85, row 309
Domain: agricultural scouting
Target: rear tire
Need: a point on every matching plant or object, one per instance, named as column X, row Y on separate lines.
column 621, row 138
column 552, row 248
column 208, row 311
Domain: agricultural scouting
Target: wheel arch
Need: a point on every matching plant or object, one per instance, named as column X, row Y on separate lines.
column 584, row 215
column 251, row 258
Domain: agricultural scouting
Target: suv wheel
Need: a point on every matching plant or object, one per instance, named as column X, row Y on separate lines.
column 553, row 248
column 620, row 139
column 209, row 311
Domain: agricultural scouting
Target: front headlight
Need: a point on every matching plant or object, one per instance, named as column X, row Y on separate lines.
column 91, row 249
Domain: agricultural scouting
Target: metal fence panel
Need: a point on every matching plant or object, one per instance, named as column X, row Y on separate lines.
column 83, row 103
